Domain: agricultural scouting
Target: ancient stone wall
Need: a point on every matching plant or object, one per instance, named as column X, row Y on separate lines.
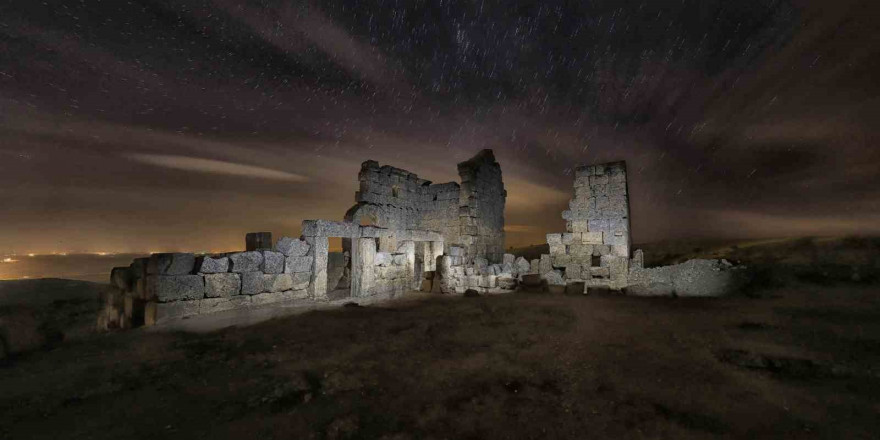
column 470, row 215
column 481, row 207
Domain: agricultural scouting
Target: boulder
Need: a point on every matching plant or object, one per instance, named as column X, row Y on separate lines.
column 298, row 264
column 241, row 262
column 292, row 247
column 171, row 264
column 252, row 283
column 522, row 266
column 277, row 282
column 212, row 265
column 169, row 288
column 273, row 262
column 222, row 285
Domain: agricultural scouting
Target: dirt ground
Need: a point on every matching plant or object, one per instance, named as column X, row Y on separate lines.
column 796, row 361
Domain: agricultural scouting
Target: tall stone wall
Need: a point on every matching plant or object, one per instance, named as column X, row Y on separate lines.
column 470, row 215
column 481, row 207
column 596, row 247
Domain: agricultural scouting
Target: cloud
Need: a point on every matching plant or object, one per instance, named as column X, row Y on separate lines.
column 215, row 167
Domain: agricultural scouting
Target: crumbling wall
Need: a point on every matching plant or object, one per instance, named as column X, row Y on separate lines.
column 596, row 247
column 481, row 207
column 470, row 215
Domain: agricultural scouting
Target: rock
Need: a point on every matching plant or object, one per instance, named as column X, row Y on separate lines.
column 171, row 264
column 382, row 259
column 508, row 259
column 399, row 259
column 292, row 247
column 554, row 278
column 222, row 285
column 301, row 280
column 212, row 265
column 241, row 262
column 277, row 282
column 298, row 264
column 252, row 283
column 522, row 266
column 273, row 262
column 121, row 278
column 169, row 288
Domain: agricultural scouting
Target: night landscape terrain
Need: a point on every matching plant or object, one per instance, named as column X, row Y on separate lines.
column 484, row 219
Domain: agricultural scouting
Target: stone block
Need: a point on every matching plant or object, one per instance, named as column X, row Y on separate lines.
column 554, row 239
column 580, row 226
column 508, row 258
column 276, row 297
column 222, row 285
column 257, row 241
column 139, row 268
column 600, row 250
column 398, row 259
column 593, row 237
column 277, row 282
column 168, row 288
column 535, row 266
column 383, row 259
column 319, row 249
column 212, row 265
column 171, row 264
column 638, row 260
column 221, row 304
column 240, row 262
column 599, row 272
column 473, row 280
column 298, row 264
column 558, row 249
column 292, row 247
column 300, row 280
column 546, row 264
column 620, row 250
column 121, row 278
column 328, row 228
column 573, row 272
column 273, row 262
column 554, row 278
column 523, row 266
column 456, row 251
column 252, row 283
column 617, row 238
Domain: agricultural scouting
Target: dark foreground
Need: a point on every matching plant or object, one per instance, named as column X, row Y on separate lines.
column 795, row 362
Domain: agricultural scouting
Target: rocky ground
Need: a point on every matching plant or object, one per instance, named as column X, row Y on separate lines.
column 794, row 356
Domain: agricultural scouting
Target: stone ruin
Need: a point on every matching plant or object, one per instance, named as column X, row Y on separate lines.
column 403, row 234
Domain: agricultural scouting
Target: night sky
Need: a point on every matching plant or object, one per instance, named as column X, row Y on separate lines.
column 181, row 125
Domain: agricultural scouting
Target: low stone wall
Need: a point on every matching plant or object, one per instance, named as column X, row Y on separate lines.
column 693, row 278
column 173, row 285
column 458, row 273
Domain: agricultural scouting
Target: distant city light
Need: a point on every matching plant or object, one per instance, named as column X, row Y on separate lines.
column 8, row 260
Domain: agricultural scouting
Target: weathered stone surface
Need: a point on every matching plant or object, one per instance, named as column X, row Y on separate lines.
column 554, row 239
column 212, row 265
column 292, row 247
column 329, row 228
column 273, row 262
column 298, row 264
column 121, row 278
column 398, row 259
column 652, row 289
column 252, row 283
column 532, row 280
column 168, row 288
column 554, row 278
column 276, row 297
column 522, row 266
column 456, row 251
column 241, row 262
column 382, row 259
column 222, row 285
column 212, row 305
column 171, row 264
column 300, row 280
column 277, row 282
column 318, row 284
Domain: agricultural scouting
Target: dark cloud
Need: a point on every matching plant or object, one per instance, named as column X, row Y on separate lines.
column 151, row 123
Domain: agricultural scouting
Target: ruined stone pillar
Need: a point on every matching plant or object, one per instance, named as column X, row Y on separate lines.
column 363, row 257
column 319, row 249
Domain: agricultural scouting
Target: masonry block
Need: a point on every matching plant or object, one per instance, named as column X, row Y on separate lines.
column 222, row 285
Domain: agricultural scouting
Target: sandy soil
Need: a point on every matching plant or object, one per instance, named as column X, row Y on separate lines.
column 797, row 361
